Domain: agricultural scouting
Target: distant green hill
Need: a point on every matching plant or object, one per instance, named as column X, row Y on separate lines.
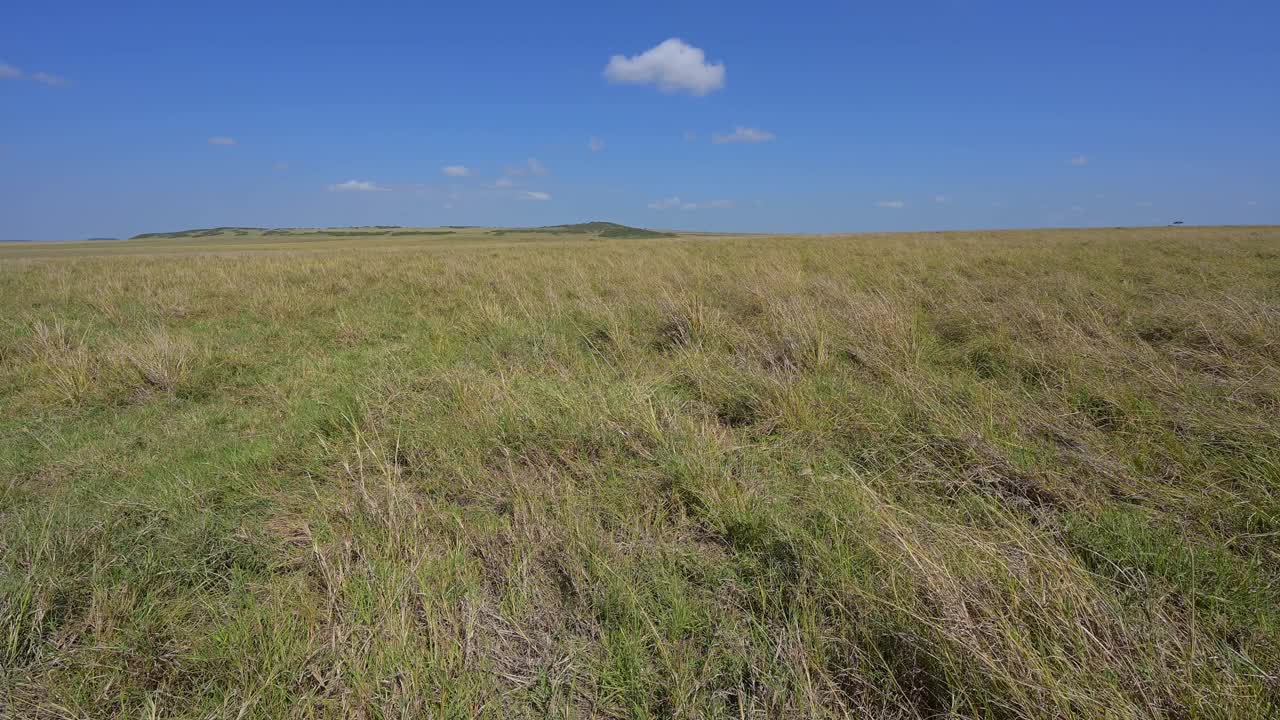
column 597, row 228
column 199, row 232
column 243, row 231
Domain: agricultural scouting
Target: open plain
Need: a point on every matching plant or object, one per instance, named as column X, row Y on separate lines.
column 593, row 471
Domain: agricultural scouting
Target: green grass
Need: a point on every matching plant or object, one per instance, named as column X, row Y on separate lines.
column 300, row 474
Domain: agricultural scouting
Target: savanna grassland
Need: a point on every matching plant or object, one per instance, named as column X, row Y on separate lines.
column 459, row 473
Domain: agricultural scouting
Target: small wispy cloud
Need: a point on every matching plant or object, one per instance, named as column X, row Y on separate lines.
column 455, row 170
column 1251, row 203
column 357, row 186
column 595, row 144
column 891, row 204
column 49, row 79
column 503, row 182
column 708, row 205
column 10, row 72
column 940, row 199
column 673, row 66
column 530, row 167
column 743, row 135
column 533, row 195
column 1079, row 161
column 665, row 203
column 674, row 202
column 222, row 140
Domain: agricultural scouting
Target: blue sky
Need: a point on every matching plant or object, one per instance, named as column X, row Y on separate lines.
column 119, row 118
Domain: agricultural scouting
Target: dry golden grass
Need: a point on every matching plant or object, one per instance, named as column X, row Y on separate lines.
column 988, row 475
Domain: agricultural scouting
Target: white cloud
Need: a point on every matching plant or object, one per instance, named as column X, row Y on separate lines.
column 503, row 182
column 940, row 199
column 221, row 140
column 708, row 205
column 891, row 204
column 533, row 195
column 8, row 71
column 530, row 167
column 673, row 65
column 675, row 202
column 595, row 143
column 357, row 186
column 1079, row 161
column 665, row 203
column 49, row 79
column 743, row 135
column 455, row 170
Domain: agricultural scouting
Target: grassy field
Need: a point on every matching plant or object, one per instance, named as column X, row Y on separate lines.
column 457, row 473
